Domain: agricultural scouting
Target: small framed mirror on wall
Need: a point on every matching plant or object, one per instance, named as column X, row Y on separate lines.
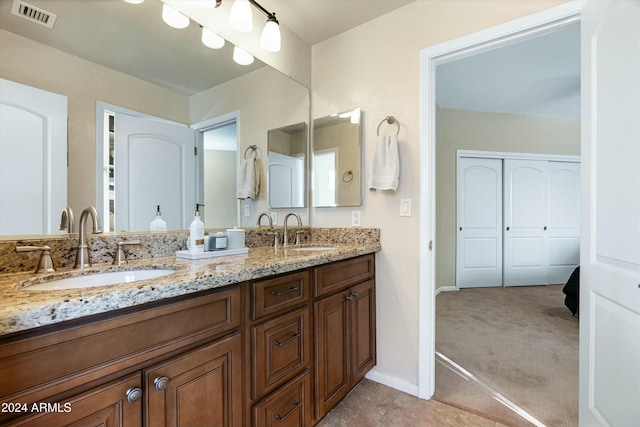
column 337, row 159
column 287, row 166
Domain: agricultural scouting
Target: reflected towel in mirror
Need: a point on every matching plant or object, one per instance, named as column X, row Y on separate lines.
column 249, row 176
column 385, row 166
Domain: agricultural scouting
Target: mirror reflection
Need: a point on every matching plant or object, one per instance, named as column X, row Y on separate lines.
column 337, row 159
column 286, row 173
column 261, row 97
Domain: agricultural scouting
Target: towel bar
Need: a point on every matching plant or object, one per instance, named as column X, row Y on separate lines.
column 391, row 120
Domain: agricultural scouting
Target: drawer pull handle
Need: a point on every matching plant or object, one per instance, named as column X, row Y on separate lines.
column 161, row 383
column 352, row 296
column 291, row 338
column 279, row 293
column 133, row 394
column 296, row 405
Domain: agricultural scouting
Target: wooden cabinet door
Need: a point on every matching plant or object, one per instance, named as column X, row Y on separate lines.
column 362, row 304
column 199, row 388
column 331, row 325
column 103, row 406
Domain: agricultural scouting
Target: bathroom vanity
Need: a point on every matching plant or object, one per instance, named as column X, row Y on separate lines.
column 275, row 337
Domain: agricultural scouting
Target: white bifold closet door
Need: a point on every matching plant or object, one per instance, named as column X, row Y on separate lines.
column 541, row 221
column 479, row 242
column 518, row 222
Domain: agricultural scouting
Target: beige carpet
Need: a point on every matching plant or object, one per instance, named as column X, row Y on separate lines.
column 519, row 342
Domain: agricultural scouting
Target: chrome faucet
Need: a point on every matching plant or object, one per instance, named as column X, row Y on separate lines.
column 82, row 257
column 285, row 237
column 268, row 215
column 67, row 221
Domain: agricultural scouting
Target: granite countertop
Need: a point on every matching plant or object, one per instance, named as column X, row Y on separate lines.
column 22, row 309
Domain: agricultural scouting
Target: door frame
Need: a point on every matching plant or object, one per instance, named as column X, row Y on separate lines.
column 501, row 35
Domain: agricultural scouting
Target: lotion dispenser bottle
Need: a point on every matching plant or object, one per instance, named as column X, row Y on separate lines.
column 196, row 233
column 158, row 224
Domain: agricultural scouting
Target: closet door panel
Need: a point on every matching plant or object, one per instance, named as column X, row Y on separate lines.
column 479, row 241
column 564, row 220
column 525, row 217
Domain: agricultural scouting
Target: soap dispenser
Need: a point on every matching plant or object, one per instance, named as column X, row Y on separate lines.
column 196, row 233
column 158, row 224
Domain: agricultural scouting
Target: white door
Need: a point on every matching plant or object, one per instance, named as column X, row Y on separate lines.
column 33, row 159
column 610, row 251
column 283, row 181
column 479, row 207
column 525, row 216
column 563, row 233
column 154, row 165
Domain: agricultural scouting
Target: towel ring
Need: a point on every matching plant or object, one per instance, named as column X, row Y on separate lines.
column 347, row 176
column 251, row 147
column 391, row 120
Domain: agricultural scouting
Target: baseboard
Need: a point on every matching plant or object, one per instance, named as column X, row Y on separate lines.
column 446, row 289
column 393, row 382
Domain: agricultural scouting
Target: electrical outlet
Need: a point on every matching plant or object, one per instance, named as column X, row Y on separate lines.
column 247, row 209
column 274, row 217
column 356, row 218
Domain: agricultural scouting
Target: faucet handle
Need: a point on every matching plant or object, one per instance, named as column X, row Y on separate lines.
column 45, row 265
column 298, row 233
column 276, row 240
column 120, row 257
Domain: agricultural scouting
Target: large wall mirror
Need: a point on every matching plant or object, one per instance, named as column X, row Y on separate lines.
column 337, row 159
column 104, row 67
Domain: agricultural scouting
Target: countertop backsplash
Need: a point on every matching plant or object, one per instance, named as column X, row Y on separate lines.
column 162, row 244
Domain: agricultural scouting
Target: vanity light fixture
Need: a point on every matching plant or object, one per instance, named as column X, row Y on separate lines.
column 270, row 38
column 208, row 4
column 240, row 17
column 241, row 56
column 134, row 1
column 173, row 18
column 211, row 39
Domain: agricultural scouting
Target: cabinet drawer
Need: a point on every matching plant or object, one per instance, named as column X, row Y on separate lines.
column 339, row 275
column 70, row 357
column 275, row 295
column 281, row 348
column 289, row 406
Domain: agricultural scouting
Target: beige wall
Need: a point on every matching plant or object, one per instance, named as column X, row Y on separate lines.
column 84, row 83
column 472, row 130
column 376, row 67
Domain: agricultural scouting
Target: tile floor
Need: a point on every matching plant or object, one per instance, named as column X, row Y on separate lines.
column 371, row 404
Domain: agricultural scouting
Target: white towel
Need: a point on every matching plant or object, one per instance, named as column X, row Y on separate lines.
column 249, row 177
column 385, row 166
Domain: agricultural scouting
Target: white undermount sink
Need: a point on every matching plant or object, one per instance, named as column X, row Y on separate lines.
column 313, row 248
column 98, row 279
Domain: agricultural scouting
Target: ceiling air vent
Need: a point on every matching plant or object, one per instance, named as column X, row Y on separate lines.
column 33, row 14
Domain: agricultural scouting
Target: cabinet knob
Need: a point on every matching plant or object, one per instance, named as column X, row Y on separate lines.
column 133, row 394
column 508, row 228
column 161, row 383
column 545, row 228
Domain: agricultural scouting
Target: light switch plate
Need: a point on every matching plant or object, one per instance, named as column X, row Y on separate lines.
column 247, row 209
column 405, row 207
column 356, row 218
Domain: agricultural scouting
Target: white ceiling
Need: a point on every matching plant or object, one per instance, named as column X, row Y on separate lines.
column 540, row 76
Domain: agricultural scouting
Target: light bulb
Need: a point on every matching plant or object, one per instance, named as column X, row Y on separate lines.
column 211, row 39
column 240, row 17
column 270, row 38
column 242, row 57
column 134, row 1
column 173, row 18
